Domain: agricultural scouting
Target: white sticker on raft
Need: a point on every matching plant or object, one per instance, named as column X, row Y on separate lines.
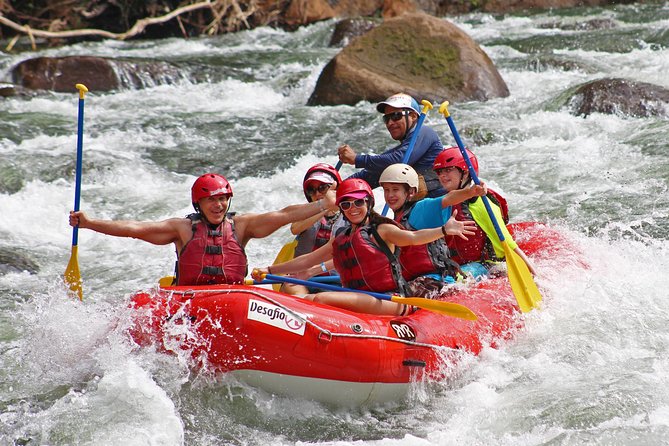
column 275, row 316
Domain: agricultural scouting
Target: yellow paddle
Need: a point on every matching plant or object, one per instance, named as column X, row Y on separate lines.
column 286, row 253
column 72, row 275
column 523, row 285
column 438, row 306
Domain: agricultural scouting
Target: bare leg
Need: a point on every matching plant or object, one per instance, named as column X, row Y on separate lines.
column 290, row 288
column 360, row 302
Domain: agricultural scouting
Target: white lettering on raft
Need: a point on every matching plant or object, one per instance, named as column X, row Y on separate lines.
column 275, row 316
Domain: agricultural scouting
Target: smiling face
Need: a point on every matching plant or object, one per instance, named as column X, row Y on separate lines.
column 395, row 194
column 398, row 129
column 214, row 208
column 451, row 178
column 354, row 209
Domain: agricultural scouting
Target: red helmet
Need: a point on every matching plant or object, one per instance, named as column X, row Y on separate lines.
column 323, row 173
column 354, row 188
column 452, row 157
column 209, row 185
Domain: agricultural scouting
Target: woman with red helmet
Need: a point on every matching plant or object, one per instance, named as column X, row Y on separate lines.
column 315, row 231
column 481, row 252
column 364, row 254
column 210, row 244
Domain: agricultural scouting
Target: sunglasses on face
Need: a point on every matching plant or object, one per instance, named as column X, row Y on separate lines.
column 346, row 205
column 322, row 189
column 395, row 116
column 445, row 170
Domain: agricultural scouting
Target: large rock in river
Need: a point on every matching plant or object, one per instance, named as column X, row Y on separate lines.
column 97, row 73
column 422, row 55
column 618, row 96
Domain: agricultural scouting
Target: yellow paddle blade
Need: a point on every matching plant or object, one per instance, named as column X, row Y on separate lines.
column 522, row 283
column 72, row 275
column 438, row 306
column 167, row 281
column 286, row 253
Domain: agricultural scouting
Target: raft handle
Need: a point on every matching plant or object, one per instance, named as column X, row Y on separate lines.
column 414, row 363
column 325, row 336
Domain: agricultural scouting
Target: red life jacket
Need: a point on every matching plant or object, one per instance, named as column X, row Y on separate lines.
column 417, row 260
column 366, row 264
column 478, row 248
column 212, row 256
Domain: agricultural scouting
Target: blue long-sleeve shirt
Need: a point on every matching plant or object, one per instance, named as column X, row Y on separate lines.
column 427, row 147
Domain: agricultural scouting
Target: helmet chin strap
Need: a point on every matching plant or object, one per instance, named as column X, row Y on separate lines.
column 464, row 181
column 407, row 128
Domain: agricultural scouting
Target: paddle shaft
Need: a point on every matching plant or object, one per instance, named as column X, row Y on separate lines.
column 522, row 284
column 80, row 145
column 427, row 106
column 475, row 177
column 326, row 286
column 447, row 308
column 311, row 281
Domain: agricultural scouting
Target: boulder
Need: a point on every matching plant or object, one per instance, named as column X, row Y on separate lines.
column 304, row 12
column 348, row 29
column 424, row 56
column 619, row 96
column 7, row 90
column 97, row 73
column 62, row 73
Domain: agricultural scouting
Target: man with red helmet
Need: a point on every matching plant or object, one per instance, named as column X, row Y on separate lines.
column 210, row 243
column 364, row 254
column 400, row 115
column 483, row 250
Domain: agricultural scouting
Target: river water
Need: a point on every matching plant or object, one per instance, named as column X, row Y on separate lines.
column 591, row 368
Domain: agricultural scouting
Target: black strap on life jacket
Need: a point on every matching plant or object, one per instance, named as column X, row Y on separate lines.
column 402, row 285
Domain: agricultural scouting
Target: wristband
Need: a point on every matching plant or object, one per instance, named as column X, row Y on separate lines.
column 443, row 230
column 323, row 268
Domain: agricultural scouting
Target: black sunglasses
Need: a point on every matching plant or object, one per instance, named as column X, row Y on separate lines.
column 322, row 189
column 395, row 116
column 346, row 205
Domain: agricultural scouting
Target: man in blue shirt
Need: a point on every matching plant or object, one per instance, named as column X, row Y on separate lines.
column 400, row 114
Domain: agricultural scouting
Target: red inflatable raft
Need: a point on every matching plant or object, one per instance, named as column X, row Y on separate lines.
column 287, row 345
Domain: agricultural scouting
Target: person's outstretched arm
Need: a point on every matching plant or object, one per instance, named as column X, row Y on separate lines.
column 301, row 263
column 158, row 232
column 250, row 226
column 299, row 227
column 458, row 196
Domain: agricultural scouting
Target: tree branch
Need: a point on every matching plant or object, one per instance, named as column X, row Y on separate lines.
column 138, row 27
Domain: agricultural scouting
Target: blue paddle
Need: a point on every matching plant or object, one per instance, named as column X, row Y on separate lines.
column 523, row 285
column 72, row 275
column 438, row 306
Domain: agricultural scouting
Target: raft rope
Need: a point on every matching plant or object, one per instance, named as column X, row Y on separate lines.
column 322, row 331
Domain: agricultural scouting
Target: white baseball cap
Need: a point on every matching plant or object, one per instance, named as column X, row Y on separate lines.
column 322, row 177
column 399, row 100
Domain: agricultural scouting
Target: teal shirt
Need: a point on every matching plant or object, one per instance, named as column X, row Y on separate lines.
column 428, row 213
